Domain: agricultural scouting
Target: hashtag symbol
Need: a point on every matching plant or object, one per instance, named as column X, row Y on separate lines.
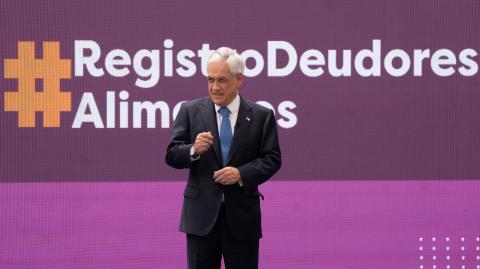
column 26, row 100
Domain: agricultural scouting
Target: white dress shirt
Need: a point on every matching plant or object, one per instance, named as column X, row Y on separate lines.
column 233, row 107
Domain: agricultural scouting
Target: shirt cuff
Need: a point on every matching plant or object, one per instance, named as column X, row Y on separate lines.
column 193, row 156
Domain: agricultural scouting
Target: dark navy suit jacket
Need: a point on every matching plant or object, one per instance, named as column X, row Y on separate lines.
column 254, row 151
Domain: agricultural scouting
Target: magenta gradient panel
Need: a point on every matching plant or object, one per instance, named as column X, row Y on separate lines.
column 307, row 224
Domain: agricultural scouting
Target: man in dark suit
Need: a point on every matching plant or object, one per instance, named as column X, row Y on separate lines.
column 230, row 146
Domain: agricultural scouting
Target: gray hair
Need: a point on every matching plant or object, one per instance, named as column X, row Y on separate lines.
column 234, row 60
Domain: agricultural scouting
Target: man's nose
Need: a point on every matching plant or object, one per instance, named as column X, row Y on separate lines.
column 215, row 85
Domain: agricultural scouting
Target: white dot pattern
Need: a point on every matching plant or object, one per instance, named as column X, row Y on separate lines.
column 450, row 252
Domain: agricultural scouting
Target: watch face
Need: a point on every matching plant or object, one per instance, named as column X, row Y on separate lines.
column 193, row 156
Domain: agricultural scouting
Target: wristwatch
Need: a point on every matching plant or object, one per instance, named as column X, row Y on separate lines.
column 193, row 155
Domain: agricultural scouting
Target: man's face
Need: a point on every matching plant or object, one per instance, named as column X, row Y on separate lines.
column 222, row 85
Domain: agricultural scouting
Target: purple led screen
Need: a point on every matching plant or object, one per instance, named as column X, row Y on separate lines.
column 347, row 127
column 380, row 158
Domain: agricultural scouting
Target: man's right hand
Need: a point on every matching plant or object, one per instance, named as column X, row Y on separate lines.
column 203, row 142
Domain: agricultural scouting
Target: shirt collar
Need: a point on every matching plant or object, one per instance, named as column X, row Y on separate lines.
column 233, row 106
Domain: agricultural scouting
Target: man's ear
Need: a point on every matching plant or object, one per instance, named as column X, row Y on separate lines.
column 239, row 79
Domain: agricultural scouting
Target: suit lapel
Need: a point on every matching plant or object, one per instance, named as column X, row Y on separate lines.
column 244, row 119
column 209, row 116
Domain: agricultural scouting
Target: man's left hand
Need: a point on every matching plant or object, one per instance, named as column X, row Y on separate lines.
column 227, row 176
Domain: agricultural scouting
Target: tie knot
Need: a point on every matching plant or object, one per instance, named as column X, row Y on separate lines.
column 224, row 111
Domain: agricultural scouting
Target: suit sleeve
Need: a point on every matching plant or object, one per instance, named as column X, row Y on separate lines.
column 269, row 159
column 178, row 149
